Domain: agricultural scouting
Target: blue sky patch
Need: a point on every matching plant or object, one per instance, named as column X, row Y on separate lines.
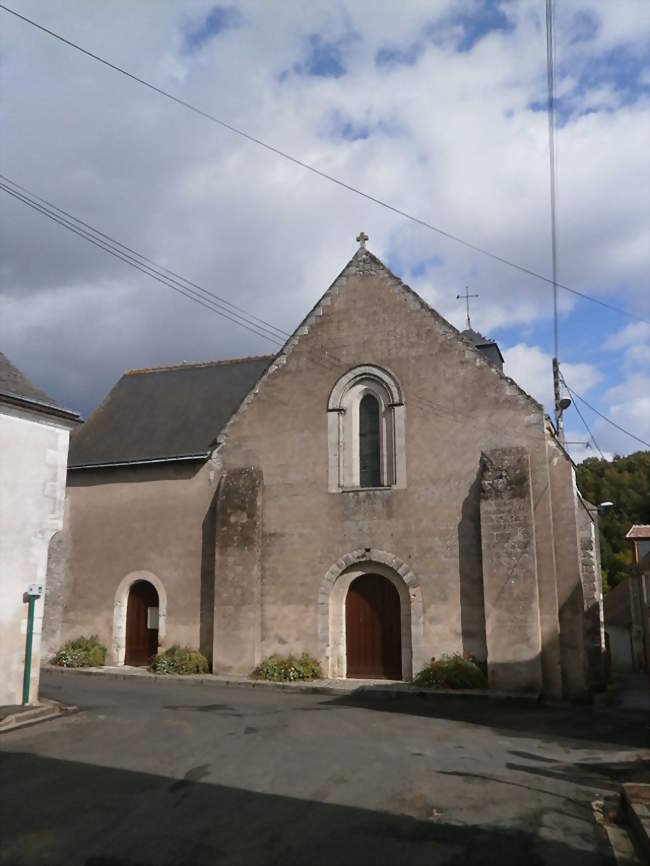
column 324, row 58
column 392, row 55
column 620, row 68
column 339, row 125
column 218, row 19
column 583, row 27
column 485, row 17
column 420, row 268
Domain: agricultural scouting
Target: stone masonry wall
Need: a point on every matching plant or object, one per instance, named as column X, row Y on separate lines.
column 456, row 405
column 592, row 588
column 510, row 592
column 238, row 570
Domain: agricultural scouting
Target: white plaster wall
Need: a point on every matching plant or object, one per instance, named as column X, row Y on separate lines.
column 33, row 459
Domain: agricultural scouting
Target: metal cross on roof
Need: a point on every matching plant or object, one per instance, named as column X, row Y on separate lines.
column 466, row 298
column 362, row 237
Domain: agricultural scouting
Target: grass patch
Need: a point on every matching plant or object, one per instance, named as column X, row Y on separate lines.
column 289, row 668
column 452, row 672
column 180, row 660
column 82, row 652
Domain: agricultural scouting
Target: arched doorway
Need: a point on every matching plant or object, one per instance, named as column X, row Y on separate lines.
column 141, row 623
column 373, row 635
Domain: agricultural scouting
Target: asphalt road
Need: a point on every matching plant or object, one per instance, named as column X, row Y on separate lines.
column 151, row 772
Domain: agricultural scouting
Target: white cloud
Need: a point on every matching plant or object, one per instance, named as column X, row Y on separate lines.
column 453, row 140
column 636, row 332
column 531, row 368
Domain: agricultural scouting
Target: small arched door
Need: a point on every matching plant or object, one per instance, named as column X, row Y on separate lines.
column 373, row 629
column 141, row 624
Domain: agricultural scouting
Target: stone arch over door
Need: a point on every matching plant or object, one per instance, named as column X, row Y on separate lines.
column 331, row 609
column 118, row 643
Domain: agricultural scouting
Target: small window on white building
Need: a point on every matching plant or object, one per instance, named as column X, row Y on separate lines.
column 366, row 436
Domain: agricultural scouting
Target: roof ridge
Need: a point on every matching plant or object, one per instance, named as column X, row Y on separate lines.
column 193, row 365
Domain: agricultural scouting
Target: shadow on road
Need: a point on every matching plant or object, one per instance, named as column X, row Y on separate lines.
column 579, row 724
column 88, row 815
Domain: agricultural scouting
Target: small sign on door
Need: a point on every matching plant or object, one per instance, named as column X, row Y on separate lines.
column 152, row 618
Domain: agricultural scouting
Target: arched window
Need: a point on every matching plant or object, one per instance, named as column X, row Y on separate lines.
column 366, row 431
column 369, row 447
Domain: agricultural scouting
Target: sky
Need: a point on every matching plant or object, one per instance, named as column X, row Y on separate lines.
column 436, row 108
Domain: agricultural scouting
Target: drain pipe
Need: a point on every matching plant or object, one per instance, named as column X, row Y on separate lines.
column 34, row 591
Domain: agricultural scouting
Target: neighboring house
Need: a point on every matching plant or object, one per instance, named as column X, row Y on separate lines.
column 639, row 536
column 34, row 435
column 376, row 494
column 627, row 609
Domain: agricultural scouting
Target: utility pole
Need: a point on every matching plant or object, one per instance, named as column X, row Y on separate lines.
column 556, row 395
column 550, row 80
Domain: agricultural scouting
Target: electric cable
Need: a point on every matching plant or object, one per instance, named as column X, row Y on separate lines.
column 311, row 168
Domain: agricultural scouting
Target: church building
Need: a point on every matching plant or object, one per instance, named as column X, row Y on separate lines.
column 376, row 494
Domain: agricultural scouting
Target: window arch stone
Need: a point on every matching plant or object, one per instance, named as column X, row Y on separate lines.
column 343, row 428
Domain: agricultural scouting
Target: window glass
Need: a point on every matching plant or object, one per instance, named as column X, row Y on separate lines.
column 369, row 447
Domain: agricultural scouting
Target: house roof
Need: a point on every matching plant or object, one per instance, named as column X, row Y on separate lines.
column 165, row 413
column 639, row 531
column 16, row 389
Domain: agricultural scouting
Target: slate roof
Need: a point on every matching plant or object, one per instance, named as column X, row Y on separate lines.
column 165, row 413
column 16, row 389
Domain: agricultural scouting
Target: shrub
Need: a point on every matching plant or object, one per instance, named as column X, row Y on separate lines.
column 180, row 660
column 82, row 652
column 290, row 668
column 453, row 672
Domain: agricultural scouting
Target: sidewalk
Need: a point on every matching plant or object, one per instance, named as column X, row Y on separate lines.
column 319, row 687
column 12, row 717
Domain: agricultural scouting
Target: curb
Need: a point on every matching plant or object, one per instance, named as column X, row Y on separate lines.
column 318, row 687
column 45, row 710
column 636, row 808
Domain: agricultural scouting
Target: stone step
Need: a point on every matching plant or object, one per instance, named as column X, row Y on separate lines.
column 635, row 803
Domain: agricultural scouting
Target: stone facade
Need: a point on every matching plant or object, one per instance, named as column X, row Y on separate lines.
column 510, row 582
column 257, row 545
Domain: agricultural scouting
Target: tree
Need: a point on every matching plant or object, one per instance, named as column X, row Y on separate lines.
column 625, row 481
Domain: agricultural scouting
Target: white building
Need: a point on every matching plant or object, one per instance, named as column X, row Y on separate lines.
column 34, row 435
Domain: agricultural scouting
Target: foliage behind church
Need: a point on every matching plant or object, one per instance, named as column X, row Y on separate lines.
column 625, row 481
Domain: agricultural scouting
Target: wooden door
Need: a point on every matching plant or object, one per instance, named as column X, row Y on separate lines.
column 372, row 629
column 141, row 641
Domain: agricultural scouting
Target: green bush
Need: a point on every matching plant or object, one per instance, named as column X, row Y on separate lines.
column 180, row 660
column 453, row 672
column 83, row 652
column 290, row 668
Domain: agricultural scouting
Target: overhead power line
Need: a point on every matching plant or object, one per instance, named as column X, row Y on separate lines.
column 162, row 268
column 113, row 248
column 574, row 394
column 243, row 318
column 322, row 174
column 586, row 426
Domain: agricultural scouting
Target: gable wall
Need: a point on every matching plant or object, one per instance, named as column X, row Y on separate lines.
column 456, row 406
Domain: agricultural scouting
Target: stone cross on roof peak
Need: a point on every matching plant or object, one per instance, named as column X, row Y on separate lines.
column 362, row 237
